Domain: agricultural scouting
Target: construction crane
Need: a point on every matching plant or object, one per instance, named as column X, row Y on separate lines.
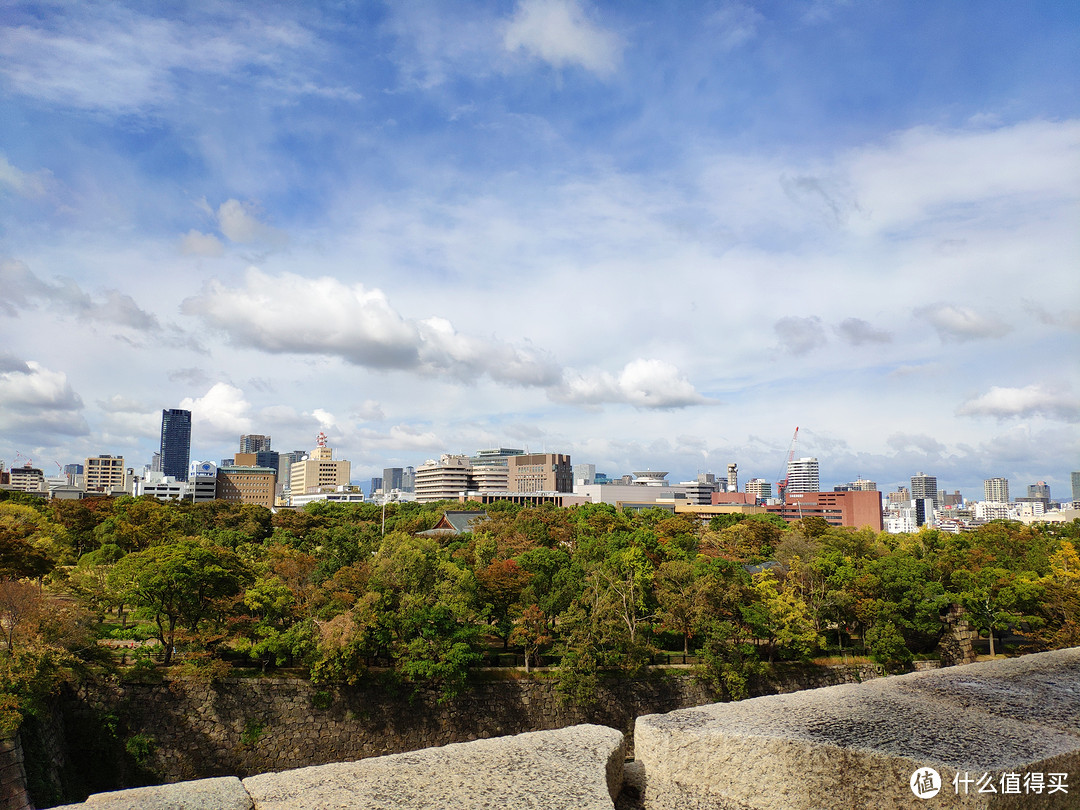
column 781, row 486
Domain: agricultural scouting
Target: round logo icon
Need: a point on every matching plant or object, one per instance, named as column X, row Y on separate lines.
column 925, row 783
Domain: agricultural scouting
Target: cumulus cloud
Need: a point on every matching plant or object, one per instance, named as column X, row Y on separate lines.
column 858, row 332
column 800, row 335
column 560, row 33
column 292, row 314
column 239, row 223
column 24, row 290
column 34, row 399
column 962, row 323
column 642, row 383
column 196, row 243
column 1031, row 400
column 220, row 414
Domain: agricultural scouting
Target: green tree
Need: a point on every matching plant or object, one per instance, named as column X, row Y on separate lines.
column 180, row 584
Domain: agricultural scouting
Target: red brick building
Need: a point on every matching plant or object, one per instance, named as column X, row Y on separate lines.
column 855, row 509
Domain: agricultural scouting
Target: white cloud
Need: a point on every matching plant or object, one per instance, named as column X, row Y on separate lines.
column 290, row 313
column 370, row 411
column 238, row 222
column 962, row 323
column 925, row 174
column 735, row 24
column 118, row 60
column 858, row 332
column 22, row 288
column 642, row 383
column 220, row 414
column 800, row 335
column 560, row 33
column 35, row 400
column 195, row 243
column 1031, row 400
column 24, row 184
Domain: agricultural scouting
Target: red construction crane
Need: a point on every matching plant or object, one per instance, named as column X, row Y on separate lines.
column 781, row 486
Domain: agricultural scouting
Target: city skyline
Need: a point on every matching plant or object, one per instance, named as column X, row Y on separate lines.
column 602, row 229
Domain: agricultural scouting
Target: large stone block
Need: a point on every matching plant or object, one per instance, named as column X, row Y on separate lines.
column 576, row 768
column 858, row 745
column 222, row 793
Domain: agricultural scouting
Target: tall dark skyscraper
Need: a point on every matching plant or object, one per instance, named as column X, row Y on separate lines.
column 175, row 443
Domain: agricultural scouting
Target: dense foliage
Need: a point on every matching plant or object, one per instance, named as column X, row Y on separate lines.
column 333, row 590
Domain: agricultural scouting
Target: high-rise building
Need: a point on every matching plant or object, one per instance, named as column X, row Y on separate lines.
column 202, row 481
column 444, row 479
column 759, row 488
column 584, row 474
column 924, row 486
column 1076, row 486
column 261, row 458
column 104, row 473
column 374, row 486
column 802, row 475
column 1040, row 491
column 392, row 478
column 408, row 479
column 541, row 472
column 733, row 477
column 254, row 443
column 902, row 495
column 246, row 485
column 175, row 442
column 996, row 490
column 319, row 471
column 495, row 455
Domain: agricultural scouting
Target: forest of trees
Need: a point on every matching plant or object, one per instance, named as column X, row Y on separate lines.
column 333, row 594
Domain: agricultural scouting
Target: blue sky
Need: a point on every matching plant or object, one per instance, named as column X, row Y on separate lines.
column 650, row 235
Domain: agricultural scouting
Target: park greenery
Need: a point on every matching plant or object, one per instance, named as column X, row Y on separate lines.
column 337, row 594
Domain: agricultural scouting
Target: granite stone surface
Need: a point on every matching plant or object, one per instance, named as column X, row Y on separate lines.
column 857, row 745
column 576, row 768
column 222, row 793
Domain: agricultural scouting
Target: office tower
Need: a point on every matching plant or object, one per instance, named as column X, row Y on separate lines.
column 1076, row 486
column 1040, row 491
column 319, row 471
column 374, row 486
column 802, row 475
column 246, row 485
column 996, row 489
column 732, row 477
column 392, row 478
column 541, row 472
column 254, row 443
column 175, row 443
column 104, row 473
column 584, row 474
column 759, row 488
column 444, row 479
column 902, row 495
column 202, row 481
column 924, row 486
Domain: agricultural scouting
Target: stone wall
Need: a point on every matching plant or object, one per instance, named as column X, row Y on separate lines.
column 126, row 734
column 13, row 795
